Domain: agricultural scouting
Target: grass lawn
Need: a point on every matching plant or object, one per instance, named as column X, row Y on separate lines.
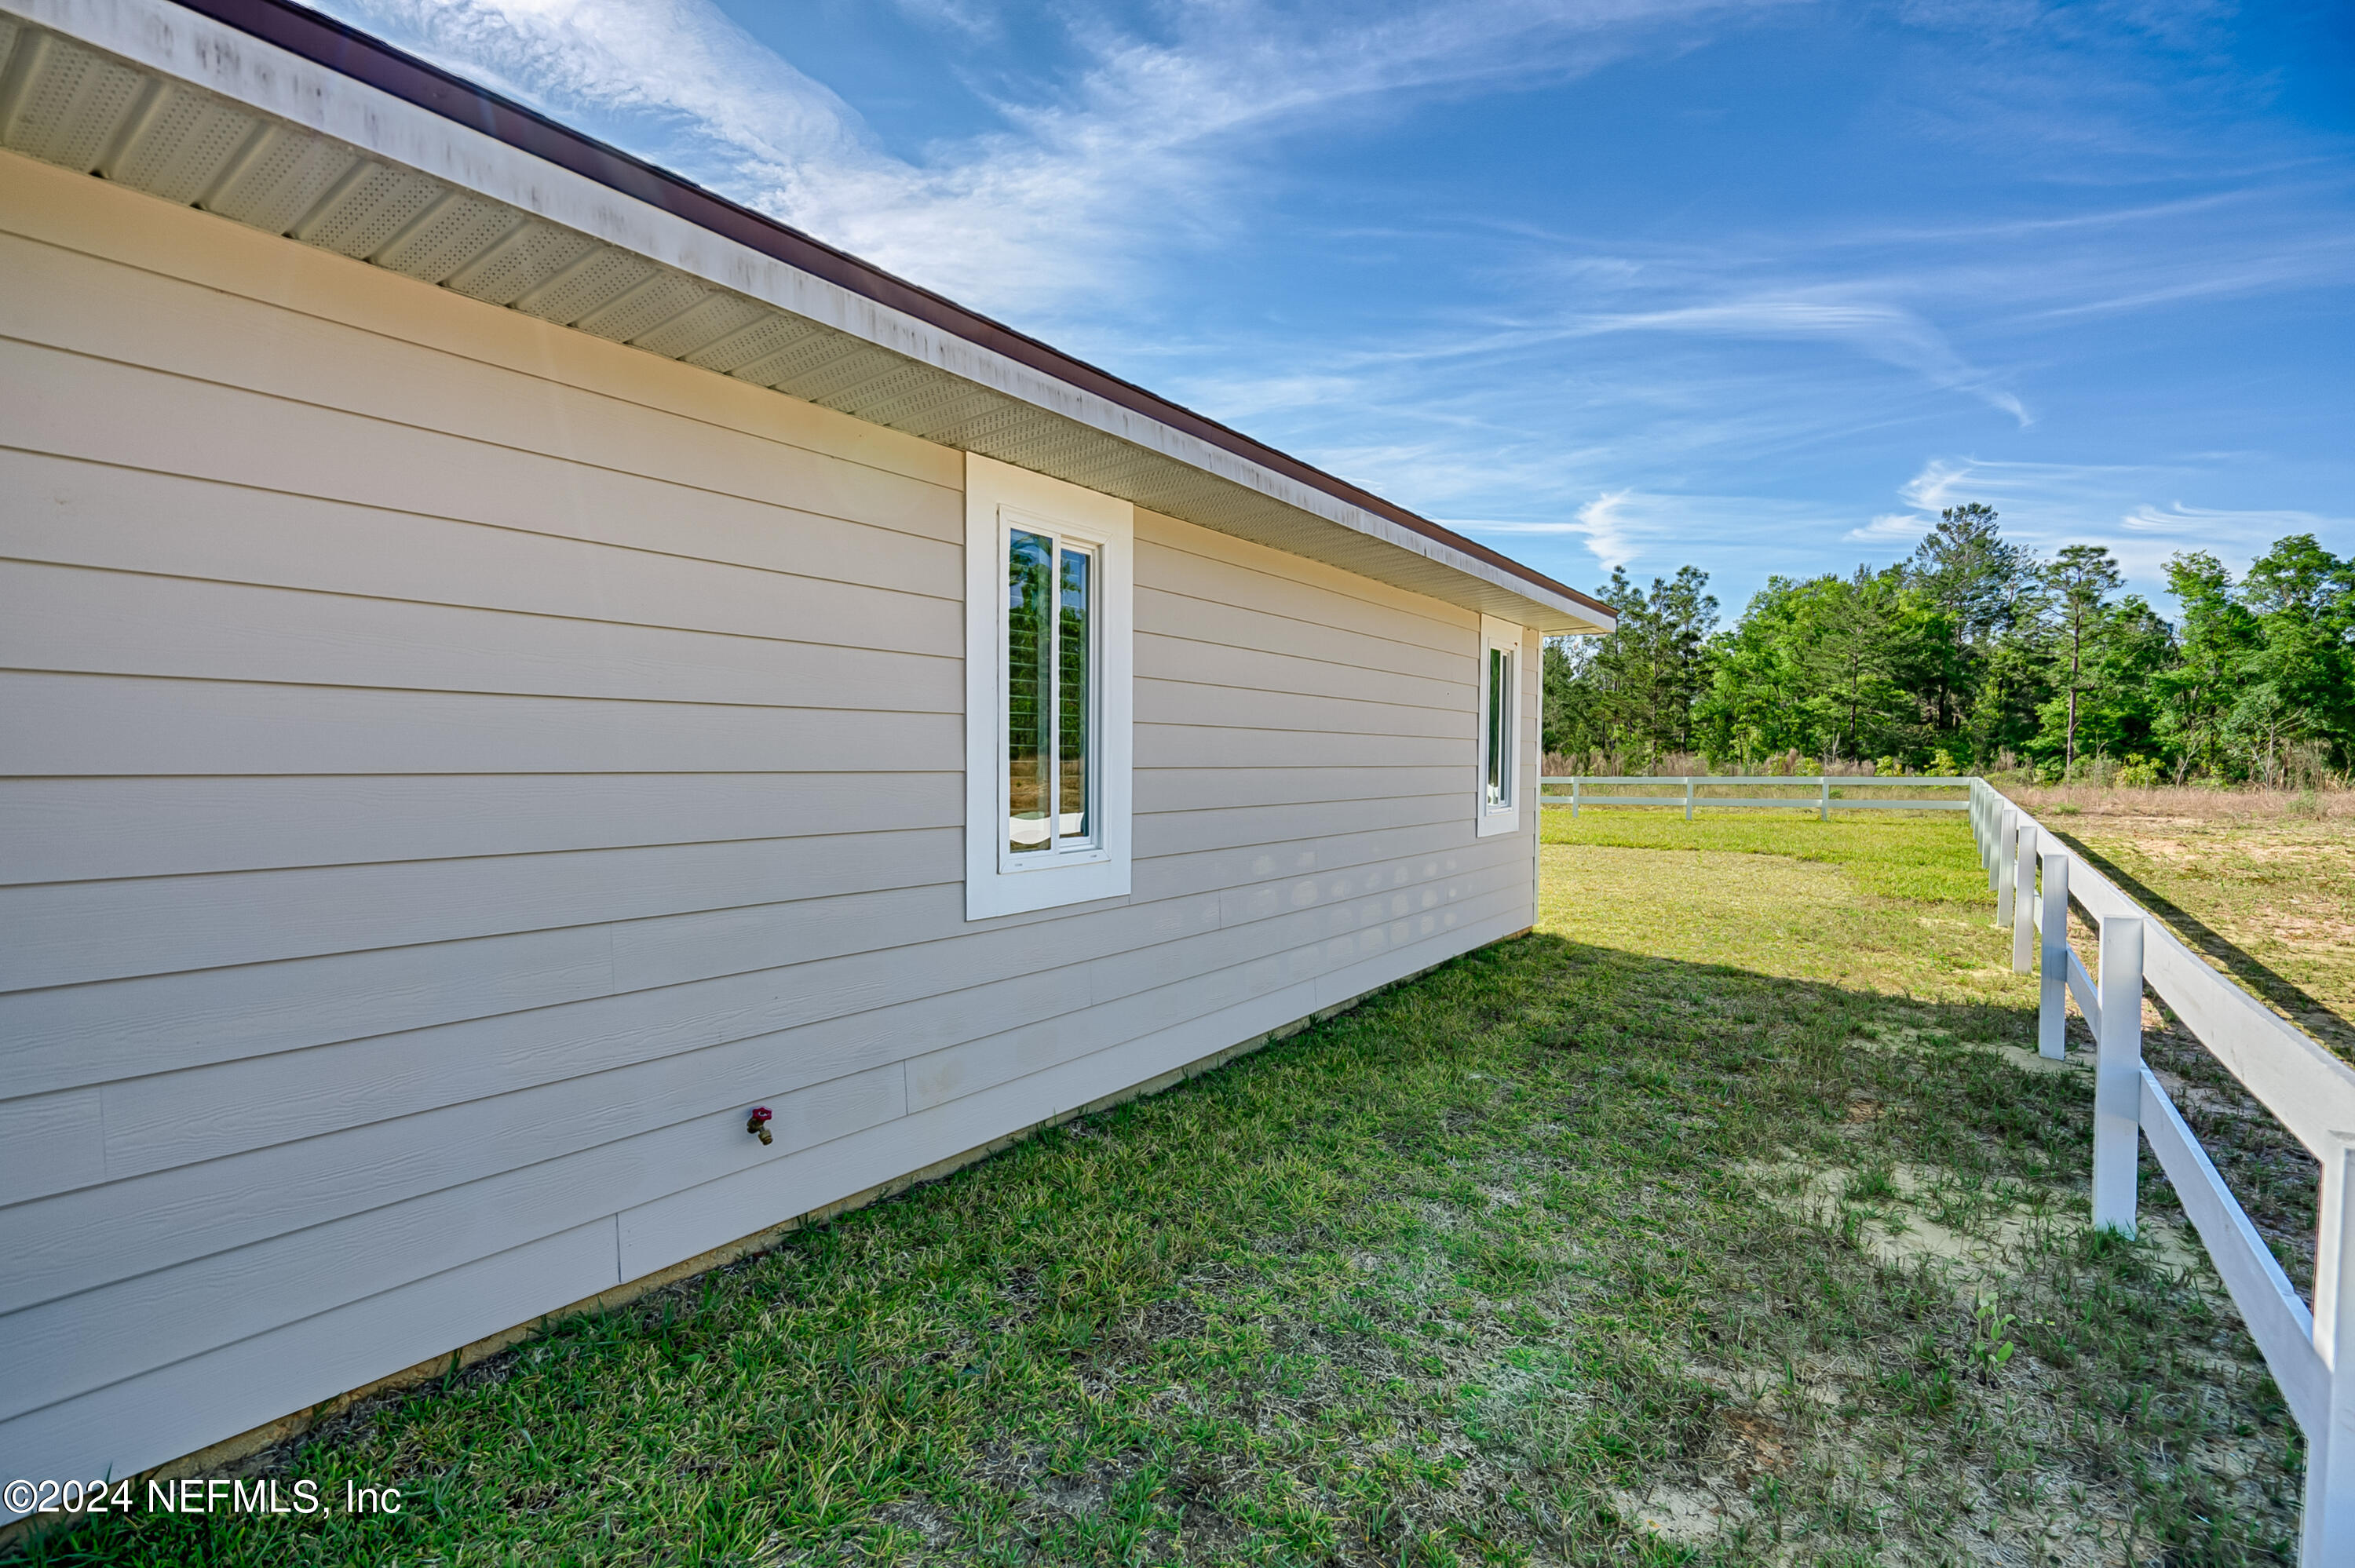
column 1725, row 1219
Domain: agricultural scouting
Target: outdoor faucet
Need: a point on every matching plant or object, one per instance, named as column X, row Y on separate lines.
column 757, row 1124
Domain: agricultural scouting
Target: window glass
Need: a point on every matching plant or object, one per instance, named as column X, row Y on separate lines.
column 1074, row 665
column 1500, row 729
column 1029, row 690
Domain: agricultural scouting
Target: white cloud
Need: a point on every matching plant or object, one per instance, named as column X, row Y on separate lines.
column 2250, row 526
column 1888, row 332
column 1662, row 530
column 1149, row 144
column 2046, row 505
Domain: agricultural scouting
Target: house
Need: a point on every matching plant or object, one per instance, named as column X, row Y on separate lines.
column 516, row 665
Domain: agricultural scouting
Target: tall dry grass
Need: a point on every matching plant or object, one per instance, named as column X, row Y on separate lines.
column 2332, row 801
column 2193, row 802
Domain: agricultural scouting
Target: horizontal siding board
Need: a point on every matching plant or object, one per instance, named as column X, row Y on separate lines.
column 791, row 1023
column 1257, row 870
column 1227, row 949
column 71, row 303
column 1228, row 668
column 79, row 931
column 50, row 1143
column 1196, row 575
column 1240, row 827
column 1243, row 559
column 85, row 725
column 157, row 1121
column 1233, row 967
column 1265, row 748
column 94, row 1338
column 98, row 411
column 143, row 1421
column 123, row 623
column 1172, row 615
column 1200, row 789
column 681, row 560
column 65, row 1037
column 77, row 830
column 123, row 1028
column 1161, row 701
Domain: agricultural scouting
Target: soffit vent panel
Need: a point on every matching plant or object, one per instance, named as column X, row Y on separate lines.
column 68, row 104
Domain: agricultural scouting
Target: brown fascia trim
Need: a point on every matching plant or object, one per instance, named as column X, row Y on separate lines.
column 350, row 52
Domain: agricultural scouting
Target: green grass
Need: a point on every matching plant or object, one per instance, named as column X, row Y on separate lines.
column 1618, row 1242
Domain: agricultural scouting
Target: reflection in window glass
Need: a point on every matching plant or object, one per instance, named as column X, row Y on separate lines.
column 1500, row 729
column 1030, row 690
column 1075, row 641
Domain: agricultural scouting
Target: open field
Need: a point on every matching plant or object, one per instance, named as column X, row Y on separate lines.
column 2270, row 899
column 1728, row 1218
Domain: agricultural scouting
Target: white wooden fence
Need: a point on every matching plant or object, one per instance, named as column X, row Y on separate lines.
column 1824, row 804
column 2035, row 876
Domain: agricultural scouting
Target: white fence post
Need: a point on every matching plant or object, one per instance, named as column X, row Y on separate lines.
column 2023, row 902
column 1824, row 802
column 2053, row 975
column 2117, row 1075
column 1983, row 829
column 2329, row 1533
column 1575, row 786
column 2007, row 841
column 1688, row 800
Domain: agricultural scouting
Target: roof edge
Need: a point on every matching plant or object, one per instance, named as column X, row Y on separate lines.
column 350, row 52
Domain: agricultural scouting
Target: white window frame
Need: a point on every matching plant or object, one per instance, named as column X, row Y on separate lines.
column 998, row 498
column 1487, row 820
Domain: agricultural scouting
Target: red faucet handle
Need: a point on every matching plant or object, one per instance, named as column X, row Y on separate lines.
column 759, row 1114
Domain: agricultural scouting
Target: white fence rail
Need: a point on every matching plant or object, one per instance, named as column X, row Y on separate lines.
column 2310, row 1090
column 1824, row 804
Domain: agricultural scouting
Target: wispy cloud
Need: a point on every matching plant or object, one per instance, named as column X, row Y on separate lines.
column 1654, row 532
column 2247, row 527
column 2044, row 505
column 1148, row 145
column 1889, row 333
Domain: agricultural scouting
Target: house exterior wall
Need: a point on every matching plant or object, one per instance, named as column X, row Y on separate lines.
column 451, row 767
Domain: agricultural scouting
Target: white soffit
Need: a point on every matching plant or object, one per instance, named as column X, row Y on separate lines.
column 147, row 94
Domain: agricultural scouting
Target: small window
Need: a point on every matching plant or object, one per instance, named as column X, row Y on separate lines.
column 1047, row 686
column 1050, row 692
column 1499, row 809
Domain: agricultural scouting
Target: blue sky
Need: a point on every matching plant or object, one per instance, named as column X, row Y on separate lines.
column 1753, row 286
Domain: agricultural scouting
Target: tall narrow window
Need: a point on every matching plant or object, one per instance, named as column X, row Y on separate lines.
column 1050, row 692
column 1497, row 810
column 1498, row 786
column 1029, row 690
column 1074, row 698
column 1048, row 700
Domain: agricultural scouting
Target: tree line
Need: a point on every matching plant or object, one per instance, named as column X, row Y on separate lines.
column 1973, row 654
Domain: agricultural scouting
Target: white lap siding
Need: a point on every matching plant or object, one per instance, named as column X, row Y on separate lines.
column 454, row 766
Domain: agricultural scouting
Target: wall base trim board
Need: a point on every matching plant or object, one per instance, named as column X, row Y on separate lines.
column 261, row 1447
